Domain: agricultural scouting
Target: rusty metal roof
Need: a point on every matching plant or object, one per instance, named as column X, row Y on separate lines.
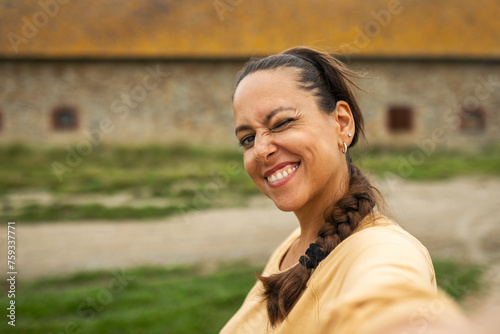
column 242, row 28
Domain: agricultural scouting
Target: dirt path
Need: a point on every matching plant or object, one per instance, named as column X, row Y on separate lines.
column 458, row 219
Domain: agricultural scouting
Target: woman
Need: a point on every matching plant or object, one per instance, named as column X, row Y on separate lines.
column 347, row 268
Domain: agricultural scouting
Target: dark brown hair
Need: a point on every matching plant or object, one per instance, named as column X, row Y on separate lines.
column 330, row 81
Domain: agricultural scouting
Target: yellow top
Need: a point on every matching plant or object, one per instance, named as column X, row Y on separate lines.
column 377, row 278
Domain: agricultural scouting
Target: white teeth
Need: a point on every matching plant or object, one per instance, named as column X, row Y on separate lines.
column 281, row 175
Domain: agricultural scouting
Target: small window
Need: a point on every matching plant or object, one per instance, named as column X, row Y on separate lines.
column 400, row 119
column 472, row 121
column 65, row 119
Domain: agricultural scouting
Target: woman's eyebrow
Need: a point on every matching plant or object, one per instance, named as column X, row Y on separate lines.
column 242, row 128
column 267, row 119
column 275, row 111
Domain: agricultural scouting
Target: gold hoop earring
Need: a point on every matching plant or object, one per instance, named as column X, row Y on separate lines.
column 344, row 150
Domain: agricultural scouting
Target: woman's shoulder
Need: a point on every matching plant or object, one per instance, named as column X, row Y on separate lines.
column 379, row 245
column 382, row 274
column 378, row 229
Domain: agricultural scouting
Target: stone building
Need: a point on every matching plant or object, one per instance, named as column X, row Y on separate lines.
column 162, row 71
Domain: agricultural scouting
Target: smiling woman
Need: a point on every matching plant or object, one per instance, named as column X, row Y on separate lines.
column 347, row 268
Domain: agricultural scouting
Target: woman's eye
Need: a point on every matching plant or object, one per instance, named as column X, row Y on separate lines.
column 247, row 141
column 282, row 124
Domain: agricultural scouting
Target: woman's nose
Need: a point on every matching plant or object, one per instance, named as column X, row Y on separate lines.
column 263, row 149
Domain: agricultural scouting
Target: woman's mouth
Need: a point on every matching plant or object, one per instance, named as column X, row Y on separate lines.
column 281, row 176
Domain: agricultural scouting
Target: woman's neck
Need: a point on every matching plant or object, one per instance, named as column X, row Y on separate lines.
column 312, row 215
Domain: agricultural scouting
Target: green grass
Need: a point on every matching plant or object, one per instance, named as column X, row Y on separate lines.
column 158, row 300
column 110, row 169
column 90, row 211
column 149, row 300
column 187, row 177
column 459, row 279
column 417, row 164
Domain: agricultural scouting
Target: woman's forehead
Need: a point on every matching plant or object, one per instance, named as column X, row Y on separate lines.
column 266, row 90
column 267, row 79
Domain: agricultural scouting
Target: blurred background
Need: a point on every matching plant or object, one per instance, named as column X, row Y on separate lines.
column 121, row 171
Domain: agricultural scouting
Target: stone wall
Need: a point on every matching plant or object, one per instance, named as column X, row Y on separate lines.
column 139, row 102
column 438, row 93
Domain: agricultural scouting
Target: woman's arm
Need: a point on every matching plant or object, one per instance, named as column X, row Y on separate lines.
column 388, row 284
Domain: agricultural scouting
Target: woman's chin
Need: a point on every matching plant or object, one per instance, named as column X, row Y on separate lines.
column 286, row 206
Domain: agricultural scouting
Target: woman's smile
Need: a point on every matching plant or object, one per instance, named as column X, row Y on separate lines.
column 281, row 174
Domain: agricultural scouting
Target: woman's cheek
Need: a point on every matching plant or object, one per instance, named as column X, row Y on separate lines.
column 249, row 164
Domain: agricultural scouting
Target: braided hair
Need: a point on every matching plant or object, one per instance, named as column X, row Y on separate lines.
column 330, row 81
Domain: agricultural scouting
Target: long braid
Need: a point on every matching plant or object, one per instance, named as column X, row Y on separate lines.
column 345, row 215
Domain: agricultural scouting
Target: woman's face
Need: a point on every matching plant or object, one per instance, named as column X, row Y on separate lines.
column 292, row 149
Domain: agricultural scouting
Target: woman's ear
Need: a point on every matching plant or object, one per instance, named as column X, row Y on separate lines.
column 345, row 120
